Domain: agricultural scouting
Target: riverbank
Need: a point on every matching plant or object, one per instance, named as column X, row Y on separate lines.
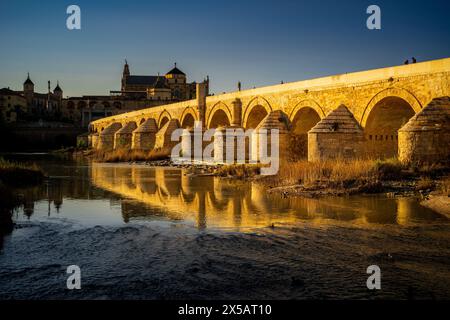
column 14, row 178
column 439, row 200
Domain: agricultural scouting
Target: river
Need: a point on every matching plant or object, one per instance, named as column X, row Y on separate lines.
column 139, row 232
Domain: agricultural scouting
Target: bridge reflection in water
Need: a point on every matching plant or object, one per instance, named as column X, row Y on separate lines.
column 210, row 201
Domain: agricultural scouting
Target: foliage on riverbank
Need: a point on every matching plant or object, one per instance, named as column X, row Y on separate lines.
column 238, row 171
column 13, row 177
column 15, row 174
column 444, row 186
column 128, row 156
column 337, row 173
column 353, row 176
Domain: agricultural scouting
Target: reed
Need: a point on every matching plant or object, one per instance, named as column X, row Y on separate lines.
column 336, row 173
column 122, row 155
column 238, row 171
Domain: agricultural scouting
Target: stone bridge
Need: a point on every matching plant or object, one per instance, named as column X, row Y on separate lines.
column 370, row 106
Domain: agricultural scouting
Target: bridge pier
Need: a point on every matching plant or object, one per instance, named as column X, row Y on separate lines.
column 229, row 142
column 426, row 136
column 93, row 140
column 144, row 136
column 262, row 136
column 191, row 139
column 106, row 137
column 338, row 135
column 163, row 136
column 122, row 138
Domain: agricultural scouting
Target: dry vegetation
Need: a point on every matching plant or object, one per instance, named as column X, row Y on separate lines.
column 336, row 173
column 239, row 171
column 444, row 186
column 127, row 156
column 16, row 174
column 355, row 176
column 341, row 176
column 425, row 183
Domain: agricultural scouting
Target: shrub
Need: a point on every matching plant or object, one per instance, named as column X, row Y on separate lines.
column 425, row 183
column 389, row 169
column 239, row 171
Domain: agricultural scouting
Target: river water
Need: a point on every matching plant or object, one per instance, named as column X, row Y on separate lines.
column 138, row 232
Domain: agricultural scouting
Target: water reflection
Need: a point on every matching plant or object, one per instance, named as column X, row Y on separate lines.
column 105, row 193
column 214, row 202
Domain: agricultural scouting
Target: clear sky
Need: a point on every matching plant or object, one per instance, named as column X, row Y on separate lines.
column 256, row 42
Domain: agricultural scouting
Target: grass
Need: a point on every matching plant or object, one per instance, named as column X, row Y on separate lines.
column 238, row 171
column 425, row 183
column 444, row 186
column 330, row 173
column 16, row 174
column 122, row 155
column 360, row 175
column 363, row 174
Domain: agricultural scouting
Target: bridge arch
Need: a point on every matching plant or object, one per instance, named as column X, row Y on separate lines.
column 164, row 117
column 188, row 118
column 386, row 113
column 390, row 92
column 305, row 115
column 219, row 115
column 257, row 109
column 307, row 103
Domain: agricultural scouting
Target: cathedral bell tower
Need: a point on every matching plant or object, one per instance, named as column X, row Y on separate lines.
column 125, row 74
column 28, row 90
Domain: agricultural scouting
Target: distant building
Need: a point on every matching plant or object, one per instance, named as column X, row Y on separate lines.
column 28, row 104
column 173, row 86
column 136, row 92
column 12, row 105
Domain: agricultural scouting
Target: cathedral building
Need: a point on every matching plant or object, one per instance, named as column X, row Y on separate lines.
column 136, row 92
column 172, row 86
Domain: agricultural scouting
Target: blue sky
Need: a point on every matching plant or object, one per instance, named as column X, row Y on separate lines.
column 255, row 42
